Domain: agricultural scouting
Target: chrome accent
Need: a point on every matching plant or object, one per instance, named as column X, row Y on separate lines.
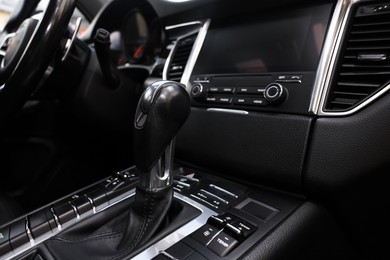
column 193, row 55
column 92, row 204
column 28, row 231
column 69, row 42
column 185, row 79
column 328, row 60
column 48, row 235
column 180, row 233
column 75, row 210
column 59, row 227
column 230, row 226
column 215, row 196
column 219, row 232
column 204, row 201
column 223, row 190
column 182, row 183
column 230, row 111
column 170, row 27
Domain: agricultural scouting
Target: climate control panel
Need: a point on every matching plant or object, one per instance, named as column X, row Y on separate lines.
column 289, row 92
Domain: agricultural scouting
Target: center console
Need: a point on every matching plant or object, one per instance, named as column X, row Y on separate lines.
column 212, row 218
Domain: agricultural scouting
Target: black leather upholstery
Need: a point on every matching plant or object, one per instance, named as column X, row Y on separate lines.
column 115, row 233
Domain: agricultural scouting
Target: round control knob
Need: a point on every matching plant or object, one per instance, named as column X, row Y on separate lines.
column 198, row 92
column 275, row 94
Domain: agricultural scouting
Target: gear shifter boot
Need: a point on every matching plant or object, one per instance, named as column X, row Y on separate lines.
column 116, row 233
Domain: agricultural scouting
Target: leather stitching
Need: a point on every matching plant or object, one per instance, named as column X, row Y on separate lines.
column 92, row 237
column 150, row 200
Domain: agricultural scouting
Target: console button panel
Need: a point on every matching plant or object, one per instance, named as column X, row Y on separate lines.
column 286, row 92
column 48, row 221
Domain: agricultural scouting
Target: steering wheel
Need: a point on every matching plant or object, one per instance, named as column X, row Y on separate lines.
column 28, row 44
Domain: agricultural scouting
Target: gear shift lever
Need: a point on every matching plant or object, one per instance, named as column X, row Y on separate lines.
column 162, row 110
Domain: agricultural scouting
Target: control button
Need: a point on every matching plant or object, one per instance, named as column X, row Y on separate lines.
column 180, row 186
column 202, row 80
column 282, row 77
column 114, row 183
column 275, row 93
column 198, row 92
column 205, row 233
column 216, row 221
column 39, row 224
column 261, row 102
column 246, row 90
column 65, row 213
column 129, row 175
column 187, row 180
column 224, row 100
column 98, row 198
column 222, row 244
column 295, row 78
column 82, row 204
column 251, row 101
column 210, row 200
column 180, row 250
column 260, row 90
column 5, row 246
column 18, row 234
column 229, row 218
column 214, row 90
column 227, row 90
column 211, row 99
column 241, row 101
column 246, row 228
column 50, row 218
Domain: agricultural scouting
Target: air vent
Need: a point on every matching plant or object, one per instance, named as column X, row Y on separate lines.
column 364, row 63
column 180, row 57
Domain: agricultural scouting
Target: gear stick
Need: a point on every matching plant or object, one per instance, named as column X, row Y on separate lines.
column 162, row 110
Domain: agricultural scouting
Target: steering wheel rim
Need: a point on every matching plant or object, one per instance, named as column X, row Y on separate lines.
column 40, row 43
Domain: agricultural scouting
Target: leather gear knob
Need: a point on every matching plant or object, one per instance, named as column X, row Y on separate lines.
column 162, row 110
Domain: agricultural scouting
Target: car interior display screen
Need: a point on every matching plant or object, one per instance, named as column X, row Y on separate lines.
column 275, row 42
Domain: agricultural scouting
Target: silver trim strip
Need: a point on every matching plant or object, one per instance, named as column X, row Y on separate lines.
column 223, row 190
column 193, row 55
column 230, row 111
column 185, row 79
column 204, row 201
column 327, row 64
column 170, row 27
column 215, row 196
column 69, row 42
column 48, row 235
column 180, row 233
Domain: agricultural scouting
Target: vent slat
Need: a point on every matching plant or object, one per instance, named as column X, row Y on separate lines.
column 180, row 58
column 364, row 64
column 350, row 94
column 354, row 84
column 365, row 73
column 371, row 31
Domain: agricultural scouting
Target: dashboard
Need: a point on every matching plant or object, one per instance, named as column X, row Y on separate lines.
column 289, row 111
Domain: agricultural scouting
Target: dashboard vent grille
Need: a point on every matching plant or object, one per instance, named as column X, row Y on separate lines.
column 179, row 57
column 364, row 62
